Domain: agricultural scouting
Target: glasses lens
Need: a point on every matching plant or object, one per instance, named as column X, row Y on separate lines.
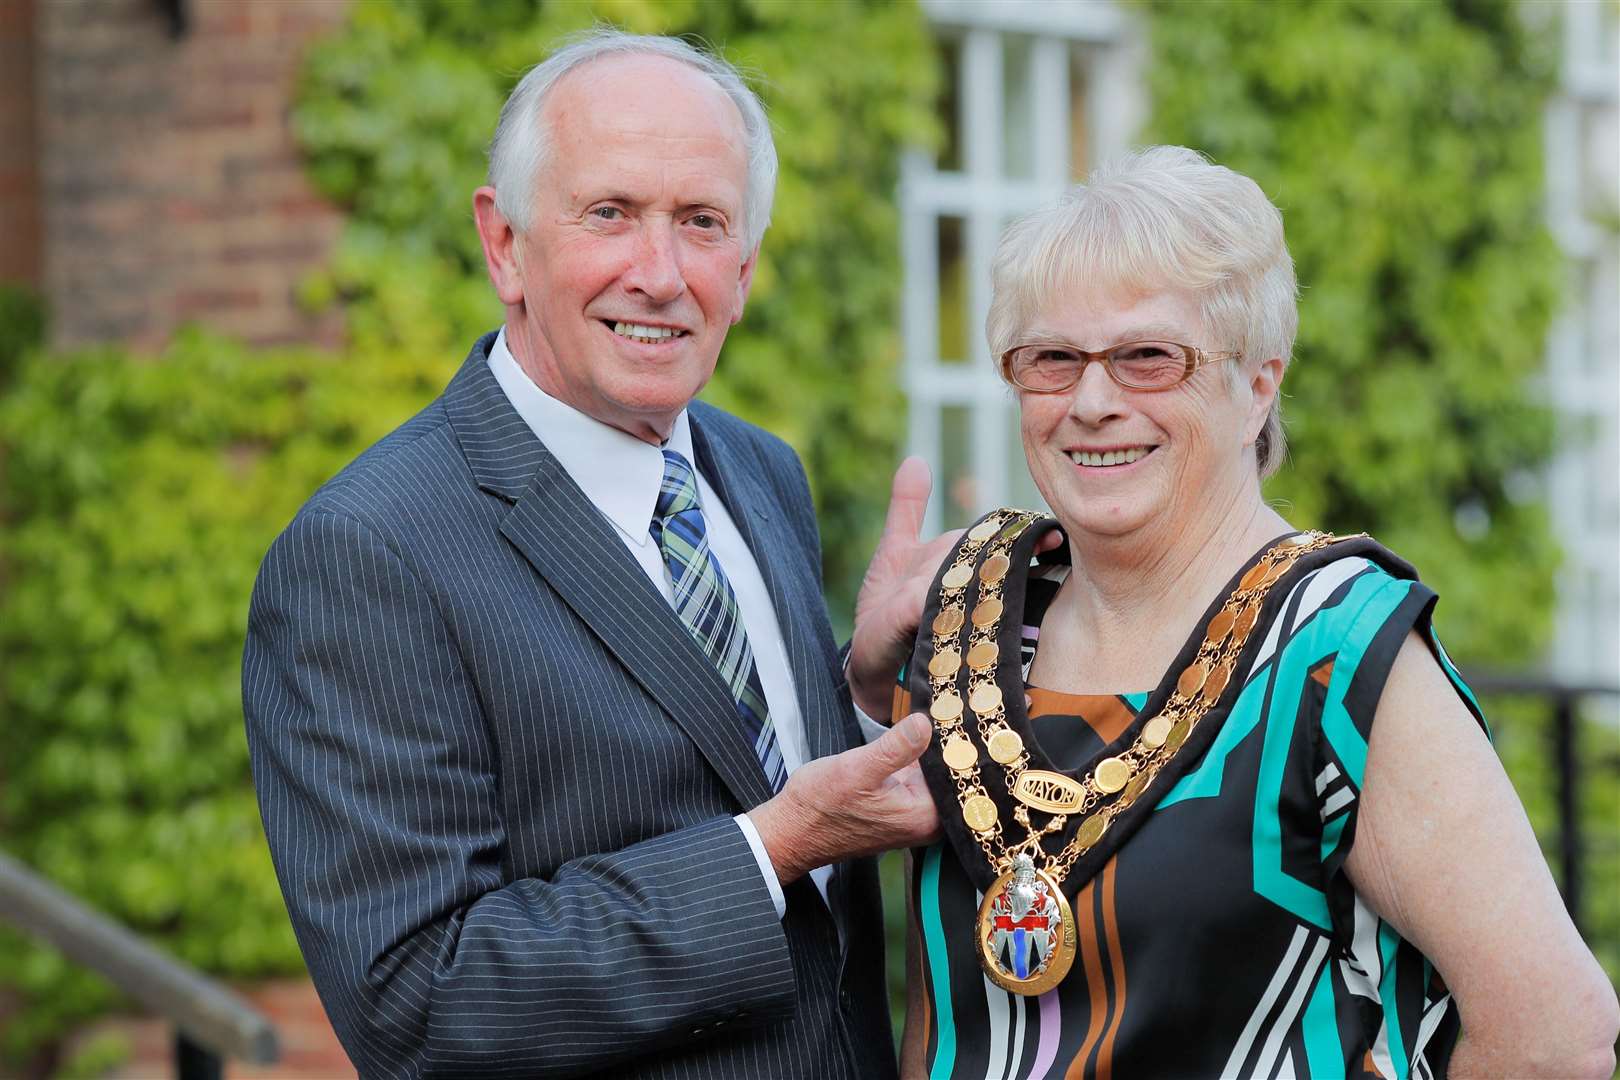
column 1149, row 365
column 1045, row 367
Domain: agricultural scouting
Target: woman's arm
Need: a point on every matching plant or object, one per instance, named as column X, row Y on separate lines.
column 1443, row 851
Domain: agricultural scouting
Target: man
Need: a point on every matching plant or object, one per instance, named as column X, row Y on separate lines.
column 553, row 744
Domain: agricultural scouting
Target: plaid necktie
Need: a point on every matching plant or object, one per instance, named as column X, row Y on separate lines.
column 708, row 607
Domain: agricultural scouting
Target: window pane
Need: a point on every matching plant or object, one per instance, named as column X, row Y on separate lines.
column 1079, row 135
column 953, row 291
column 1017, row 108
column 949, row 104
column 958, row 486
column 1021, row 489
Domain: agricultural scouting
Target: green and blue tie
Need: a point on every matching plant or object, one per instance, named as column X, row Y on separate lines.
column 707, row 605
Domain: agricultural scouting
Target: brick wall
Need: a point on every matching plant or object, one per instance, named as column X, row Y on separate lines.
column 171, row 187
column 19, row 174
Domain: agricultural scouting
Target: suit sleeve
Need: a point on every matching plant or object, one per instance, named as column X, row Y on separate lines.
column 378, row 787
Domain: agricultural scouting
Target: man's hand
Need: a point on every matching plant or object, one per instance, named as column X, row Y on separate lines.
column 860, row 802
column 894, row 590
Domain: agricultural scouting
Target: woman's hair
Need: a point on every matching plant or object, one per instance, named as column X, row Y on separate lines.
column 522, row 135
column 1163, row 217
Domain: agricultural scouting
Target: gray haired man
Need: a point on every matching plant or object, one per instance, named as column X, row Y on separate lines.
column 554, row 747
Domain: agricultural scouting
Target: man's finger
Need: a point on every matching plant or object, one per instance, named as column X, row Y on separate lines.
column 908, row 500
column 901, row 745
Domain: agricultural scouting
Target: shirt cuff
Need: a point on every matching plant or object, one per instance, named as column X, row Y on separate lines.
column 766, row 870
column 870, row 728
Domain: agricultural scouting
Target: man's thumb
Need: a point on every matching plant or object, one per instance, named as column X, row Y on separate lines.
column 902, row 744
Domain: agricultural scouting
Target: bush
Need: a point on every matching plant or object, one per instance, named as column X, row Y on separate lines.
column 138, row 497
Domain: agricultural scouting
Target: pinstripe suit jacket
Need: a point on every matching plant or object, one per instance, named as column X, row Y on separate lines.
column 498, row 776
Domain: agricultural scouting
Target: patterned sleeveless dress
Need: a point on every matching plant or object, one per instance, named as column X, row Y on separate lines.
column 1223, row 937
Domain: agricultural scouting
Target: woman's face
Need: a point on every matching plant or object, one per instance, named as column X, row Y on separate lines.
column 1183, row 449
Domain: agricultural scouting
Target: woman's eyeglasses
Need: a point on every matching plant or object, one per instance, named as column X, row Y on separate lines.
column 1051, row 367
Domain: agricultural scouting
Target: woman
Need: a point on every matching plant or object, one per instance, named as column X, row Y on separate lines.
column 1245, row 819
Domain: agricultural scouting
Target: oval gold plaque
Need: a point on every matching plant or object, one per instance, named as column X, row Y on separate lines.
column 987, row 612
column 1134, row 789
column 959, row 753
column 1219, row 626
column 1155, row 732
column 985, row 698
column 1192, row 679
column 948, row 621
column 945, row 663
column 1051, row 792
column 946, row 707
column 1005, row 745
column 1091, row 830
column 1178, row 734
column 957, row 576
column 982, row 656
column 984, row 530
column 1256, row 574
column 1216, row 682
column 979, row 813
column 994, row 569
column 1113, row 774
column 1245, row 623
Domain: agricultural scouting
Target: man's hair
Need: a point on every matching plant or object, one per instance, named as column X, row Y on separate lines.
column 1163, row 217
column 523, row 138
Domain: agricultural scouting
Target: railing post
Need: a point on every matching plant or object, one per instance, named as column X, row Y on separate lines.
column 193, row 1062
column 1566, row 754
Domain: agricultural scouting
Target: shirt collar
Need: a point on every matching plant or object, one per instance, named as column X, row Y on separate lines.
column 618, row 472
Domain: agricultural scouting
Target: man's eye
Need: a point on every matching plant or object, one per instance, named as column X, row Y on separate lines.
column 607, row 213
column 706, row 221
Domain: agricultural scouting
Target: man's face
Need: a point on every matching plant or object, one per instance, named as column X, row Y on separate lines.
column 634, row 266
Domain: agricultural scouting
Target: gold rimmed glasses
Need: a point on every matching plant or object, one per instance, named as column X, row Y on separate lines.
column 1051, row 367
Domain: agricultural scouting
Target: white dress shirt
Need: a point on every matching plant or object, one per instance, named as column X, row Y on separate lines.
column 621, row 476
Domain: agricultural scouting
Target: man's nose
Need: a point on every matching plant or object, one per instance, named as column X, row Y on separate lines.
column 655, row 267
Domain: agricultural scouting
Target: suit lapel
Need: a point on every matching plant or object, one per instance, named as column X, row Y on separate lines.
column 580, row 555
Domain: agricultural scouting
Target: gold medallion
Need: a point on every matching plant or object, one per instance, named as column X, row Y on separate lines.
column 946, row 662
column 1256, row 575
column 959, row 754
column 1005, row 746
column 1026, row 930
column 1178, row 735
column 1049, row 792
column 946, row 707
column 1192, row 679
column 1091, row 830
column 985, row 698
column 979, row 813
column 987, row 612
column 982, row 656
column 1219, row 626
column 1216, row 682
column 1135, row 788
column 957, row 576
column 1155, row 731
column 948, row 621
column 1113, row 774
column 994, row 569
column 984, row 530
column 1245, row 622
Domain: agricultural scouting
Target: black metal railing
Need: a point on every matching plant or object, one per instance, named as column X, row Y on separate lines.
column 1570, row 765
column 211, row 1022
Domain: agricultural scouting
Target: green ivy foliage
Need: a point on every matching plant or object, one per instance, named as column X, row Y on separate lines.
column 137, row 496
column 395, row 113
column 1403, row 143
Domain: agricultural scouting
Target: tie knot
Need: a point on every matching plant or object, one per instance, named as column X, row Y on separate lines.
column 678, row 491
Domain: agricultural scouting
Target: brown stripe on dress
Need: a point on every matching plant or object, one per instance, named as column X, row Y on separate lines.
column 1116, row 958
column 1105, row 714
column 1095, row 987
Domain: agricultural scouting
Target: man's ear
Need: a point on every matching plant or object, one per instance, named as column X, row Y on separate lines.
column 745, row 282
column 1264, row 386
column 500, row 241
